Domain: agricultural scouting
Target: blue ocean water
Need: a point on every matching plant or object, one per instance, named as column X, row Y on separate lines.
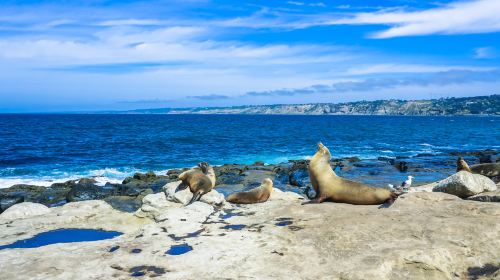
column 44, row 148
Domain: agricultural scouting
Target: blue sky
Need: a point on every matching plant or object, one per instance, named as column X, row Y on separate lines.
column 113, row 55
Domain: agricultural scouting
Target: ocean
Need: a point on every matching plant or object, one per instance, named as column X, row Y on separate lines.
column 42, row 149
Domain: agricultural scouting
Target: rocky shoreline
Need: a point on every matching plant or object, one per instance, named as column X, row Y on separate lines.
column 289, row 176
column 450, row 234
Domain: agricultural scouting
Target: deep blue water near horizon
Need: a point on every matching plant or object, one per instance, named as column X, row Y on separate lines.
column 45, row 147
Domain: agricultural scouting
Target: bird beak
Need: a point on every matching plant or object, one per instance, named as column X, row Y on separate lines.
column 196, row 197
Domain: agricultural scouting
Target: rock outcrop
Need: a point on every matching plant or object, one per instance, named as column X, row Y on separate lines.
column 424, row 235
column 464, row 184
column 24, row 210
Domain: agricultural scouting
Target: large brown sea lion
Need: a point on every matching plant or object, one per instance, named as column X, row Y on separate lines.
column 197, row 180
column 256, row 195
column 330, row 187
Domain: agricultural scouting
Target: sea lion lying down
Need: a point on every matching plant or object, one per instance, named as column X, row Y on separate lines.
column 330, row 187
column 256, row 195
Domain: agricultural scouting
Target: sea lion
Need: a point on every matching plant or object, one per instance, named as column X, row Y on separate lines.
column 198, row 182
column 256, row 195
column 490, row 170
column 462, row 165
column 330, row 187
column 208, row 170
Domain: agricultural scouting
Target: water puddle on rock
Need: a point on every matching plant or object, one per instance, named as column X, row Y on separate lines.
column 179, row 249
column 234, row 227
column 68, row 235
column 282, row 222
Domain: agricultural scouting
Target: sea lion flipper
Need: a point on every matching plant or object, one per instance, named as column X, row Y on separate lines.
column 196, row 197
column 181, row 186
column 318, row 199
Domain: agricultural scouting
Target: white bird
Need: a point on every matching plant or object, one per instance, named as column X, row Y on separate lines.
column 407, row 184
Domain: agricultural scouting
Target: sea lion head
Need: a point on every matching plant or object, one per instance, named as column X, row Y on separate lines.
column 268, row 184
column 204, row 166
column 323, row 151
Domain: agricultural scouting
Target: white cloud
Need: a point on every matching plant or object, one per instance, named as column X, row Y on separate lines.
column 386, row 68
column 463, row 17
column 485, row 53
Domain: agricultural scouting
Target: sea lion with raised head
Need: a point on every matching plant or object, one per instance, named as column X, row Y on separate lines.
column 198, row 182
column 330, row 187
column 208, row 170
column 256, row 195
column 462, row 165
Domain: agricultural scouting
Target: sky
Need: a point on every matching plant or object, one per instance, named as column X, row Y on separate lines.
column 118, row 55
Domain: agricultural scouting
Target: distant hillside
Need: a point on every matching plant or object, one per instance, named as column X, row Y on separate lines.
column 479, row 105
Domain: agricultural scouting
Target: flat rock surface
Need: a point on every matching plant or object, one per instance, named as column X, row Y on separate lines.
column 421, row 236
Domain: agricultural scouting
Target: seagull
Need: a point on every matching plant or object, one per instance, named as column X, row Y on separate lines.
column 407, row 184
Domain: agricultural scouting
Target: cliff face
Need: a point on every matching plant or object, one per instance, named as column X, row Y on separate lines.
column 479, row 105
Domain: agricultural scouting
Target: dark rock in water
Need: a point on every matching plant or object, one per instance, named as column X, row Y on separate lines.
column 48, row 196
column 259, row 163
column 425, row 155
column 125, row 203
column 173, row 174
column 353, row 159
column 147, row 181
column 402, row 166
column 229, row 174
column 7, row 201
column 299, row 178
column 82, row 192
column 391, row 161
column 87, row 181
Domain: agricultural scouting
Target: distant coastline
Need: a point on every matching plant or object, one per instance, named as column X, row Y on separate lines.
column 477, row 105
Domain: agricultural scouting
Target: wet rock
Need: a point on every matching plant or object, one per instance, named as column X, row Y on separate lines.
column 352, row 159
column 402, row 166
column 464, row 184
column 24, row 210
column 49, row 196
column 87, row 181
column 125, row 203
column 147, row 180
column 229, row 174
column 493, row 196
column 391, row 161
column 7, row 201
column 81, row 192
